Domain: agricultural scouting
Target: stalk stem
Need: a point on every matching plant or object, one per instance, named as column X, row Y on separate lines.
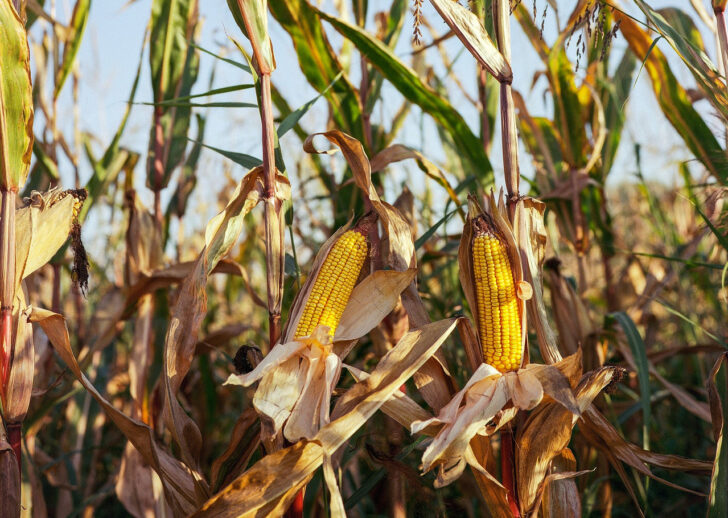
column 273, row 221
column 158, row 165
column 507, row 469
column 7, row 284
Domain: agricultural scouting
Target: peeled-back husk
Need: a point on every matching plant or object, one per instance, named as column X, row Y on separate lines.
column 465, row 259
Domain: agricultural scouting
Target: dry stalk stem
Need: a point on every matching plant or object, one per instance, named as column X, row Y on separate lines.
column 509, row 139
column 507, row 108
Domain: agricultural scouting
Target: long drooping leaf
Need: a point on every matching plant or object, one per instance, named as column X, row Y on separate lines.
column 637, row 346
column 319, row 63
column 567, row 109
column 413, row 89
column 174, row 66
column 16, row 99
column 703, row 70
column 673, row 99
column 614, row 94
column 718, row 393
column 73, row 42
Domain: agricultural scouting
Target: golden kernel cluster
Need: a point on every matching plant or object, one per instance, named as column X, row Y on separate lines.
column 499, row 324
column 334, row 283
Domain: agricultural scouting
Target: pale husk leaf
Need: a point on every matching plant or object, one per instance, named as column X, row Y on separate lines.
column 531, row 235
column 372, row 300
column 41, row 228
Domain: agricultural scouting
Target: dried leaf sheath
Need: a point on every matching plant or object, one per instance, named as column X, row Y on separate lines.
column 334, row 284
column 497, row 308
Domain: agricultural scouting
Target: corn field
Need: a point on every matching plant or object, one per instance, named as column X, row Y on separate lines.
column 480, row 271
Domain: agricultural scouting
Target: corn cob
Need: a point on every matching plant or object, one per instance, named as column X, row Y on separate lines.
column 499, row 322
column 334, row 283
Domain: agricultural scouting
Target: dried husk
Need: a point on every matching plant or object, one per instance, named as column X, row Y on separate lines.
column 9, row 480
column 484, row 397
column 561, row 497
column 270, row 485
column 22, row 366
column 530, row 233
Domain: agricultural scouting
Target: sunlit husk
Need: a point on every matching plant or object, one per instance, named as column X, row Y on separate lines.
column 484, row 397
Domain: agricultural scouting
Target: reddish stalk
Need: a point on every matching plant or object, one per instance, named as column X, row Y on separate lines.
column 7, row 273
column 158, row 165
column 508, row 464
column 509, row 141
column 274, row 258
column 14, row 436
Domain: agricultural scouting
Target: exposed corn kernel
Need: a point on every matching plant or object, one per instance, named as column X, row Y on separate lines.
column 334, row 283
column 499, row 322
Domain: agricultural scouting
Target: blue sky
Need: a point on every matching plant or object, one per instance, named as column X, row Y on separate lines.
column 110, row 53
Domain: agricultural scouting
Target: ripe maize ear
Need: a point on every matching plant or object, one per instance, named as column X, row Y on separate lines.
column 499, row 322
column 334, row 283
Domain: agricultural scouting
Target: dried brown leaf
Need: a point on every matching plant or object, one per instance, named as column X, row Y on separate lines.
column 178, row 481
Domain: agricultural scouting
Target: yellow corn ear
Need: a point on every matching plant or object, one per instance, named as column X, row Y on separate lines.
column 334, row 283
column 499, row 322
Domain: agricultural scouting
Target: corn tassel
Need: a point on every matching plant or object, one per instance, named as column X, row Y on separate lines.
column 334, row 283
column 499, row 322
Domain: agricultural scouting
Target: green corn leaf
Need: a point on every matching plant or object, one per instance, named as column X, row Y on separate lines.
column 614, row 92
column 417, row 92
column 674, row 101
column 567, row 109
column 174, row 65
column 16, row 100
column 637, row 345
column 703, row 70
column 73, row 42
column 320, row 64
column 247, row 161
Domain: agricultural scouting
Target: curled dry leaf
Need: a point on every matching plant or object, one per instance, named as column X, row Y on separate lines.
column 271, row 484
column 221, row 234
column 469, row 29
column 548, row 431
